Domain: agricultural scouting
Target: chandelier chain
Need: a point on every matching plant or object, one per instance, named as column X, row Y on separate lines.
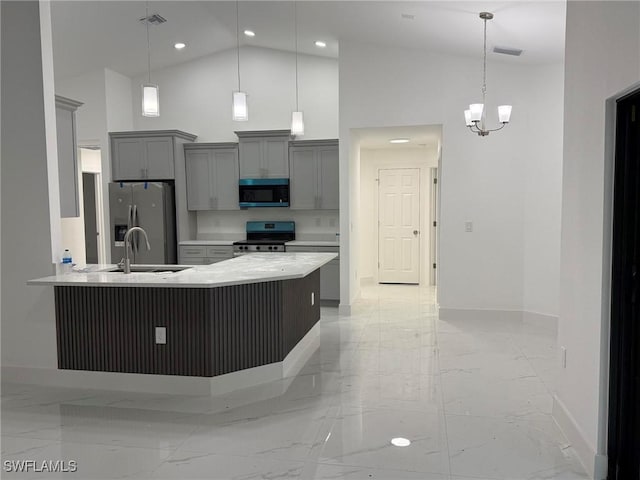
column 484, row 65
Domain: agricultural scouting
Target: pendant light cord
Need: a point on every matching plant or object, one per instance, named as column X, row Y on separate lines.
column 295, row 23
column 146, row 21
column 238, row 40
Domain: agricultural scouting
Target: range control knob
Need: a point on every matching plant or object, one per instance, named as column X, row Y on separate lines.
column 258, row 247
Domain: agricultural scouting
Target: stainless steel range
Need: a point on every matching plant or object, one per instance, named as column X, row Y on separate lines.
column 265, row 237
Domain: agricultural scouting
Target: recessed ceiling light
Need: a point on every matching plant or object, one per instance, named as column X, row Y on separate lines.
column 250, row 33
column 399, row 140
column 320, row 43
column 400, row 442
column 179, row 45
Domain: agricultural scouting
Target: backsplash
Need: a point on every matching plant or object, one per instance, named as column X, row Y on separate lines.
column 230, row 225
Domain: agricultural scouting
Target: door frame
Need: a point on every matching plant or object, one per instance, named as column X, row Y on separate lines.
column 621, row 343
column 421, row 212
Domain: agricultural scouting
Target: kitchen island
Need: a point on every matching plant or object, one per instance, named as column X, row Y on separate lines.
column 205, row 321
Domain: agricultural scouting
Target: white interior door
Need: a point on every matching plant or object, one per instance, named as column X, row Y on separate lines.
column 399, row 225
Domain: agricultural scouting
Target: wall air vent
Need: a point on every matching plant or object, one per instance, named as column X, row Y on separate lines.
column 154, row 19
column 516, row 52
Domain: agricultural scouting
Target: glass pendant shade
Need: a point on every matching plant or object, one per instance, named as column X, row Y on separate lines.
column 476, row 111
column 467, row 118
column 504, row 113
column 297, row 124
column 240, row 109
column 150, row 100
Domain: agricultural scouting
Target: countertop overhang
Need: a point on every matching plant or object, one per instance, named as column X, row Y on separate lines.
column 251, row 268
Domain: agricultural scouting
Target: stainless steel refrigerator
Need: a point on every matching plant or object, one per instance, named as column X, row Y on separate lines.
column 149, row 205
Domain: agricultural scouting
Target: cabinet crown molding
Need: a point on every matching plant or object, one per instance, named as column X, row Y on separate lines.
column 264, row 133
column 314, row 143
column 67, row 103
column 154, row 133
column 209, row 146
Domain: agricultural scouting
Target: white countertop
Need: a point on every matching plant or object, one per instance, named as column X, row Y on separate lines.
column 212, row 243
column 251, row 268
column 312, row 243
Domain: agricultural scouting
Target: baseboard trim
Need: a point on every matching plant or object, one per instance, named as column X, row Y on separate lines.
column 533, row 318
column 478, row 314
column 594, row 464
column 540, row 319
column 344, row 309
column 170, row 384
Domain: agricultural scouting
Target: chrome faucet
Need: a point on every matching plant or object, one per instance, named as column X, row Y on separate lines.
column 125, row 263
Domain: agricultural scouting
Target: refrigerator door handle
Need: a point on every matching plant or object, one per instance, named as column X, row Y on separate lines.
column 129, row 218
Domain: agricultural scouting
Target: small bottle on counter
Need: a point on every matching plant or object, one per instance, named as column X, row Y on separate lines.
column 67, row 261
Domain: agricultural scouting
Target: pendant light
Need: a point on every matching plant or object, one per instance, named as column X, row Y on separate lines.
column 297, row 118
column 150, row 91
column 239, row 108
column 475, row 115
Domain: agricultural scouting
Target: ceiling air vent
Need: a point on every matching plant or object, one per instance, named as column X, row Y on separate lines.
column 516, row 52
column 154, row 19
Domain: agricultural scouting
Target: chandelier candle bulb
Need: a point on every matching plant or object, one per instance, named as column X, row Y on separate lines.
column 504, row 113
column 476, row 111
column 467, row 118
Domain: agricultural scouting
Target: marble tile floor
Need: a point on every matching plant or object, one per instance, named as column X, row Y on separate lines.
column 474, row 399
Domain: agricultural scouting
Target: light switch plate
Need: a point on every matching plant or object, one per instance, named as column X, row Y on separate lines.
column 468, row 227
column 161, row 335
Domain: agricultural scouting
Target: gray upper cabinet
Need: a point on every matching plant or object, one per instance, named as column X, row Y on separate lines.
column 146, row 155
column 314, row 175
column 212, row 176
column 264, row 154
column 68, row 169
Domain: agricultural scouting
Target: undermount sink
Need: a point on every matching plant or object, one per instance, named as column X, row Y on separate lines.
column 148, row 269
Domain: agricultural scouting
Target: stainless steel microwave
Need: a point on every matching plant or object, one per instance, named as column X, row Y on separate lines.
column 264, row 192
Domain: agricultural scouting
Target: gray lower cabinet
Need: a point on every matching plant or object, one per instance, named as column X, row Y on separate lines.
column 264, row 154
column 203, row 254
column 68, row 168
column 314, row 167
column 329, row 273
column 212, row 176
column 148, row 155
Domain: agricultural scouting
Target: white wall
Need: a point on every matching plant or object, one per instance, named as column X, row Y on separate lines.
column 28, row 322
column 371, row 161
column 602, row 58
column 195, row 96
column 543, row 192
column 482, row 179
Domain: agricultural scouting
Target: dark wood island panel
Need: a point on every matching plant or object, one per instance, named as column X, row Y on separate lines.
column 210, row 331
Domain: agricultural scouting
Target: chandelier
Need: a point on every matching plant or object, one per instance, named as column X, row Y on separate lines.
column 475, row 116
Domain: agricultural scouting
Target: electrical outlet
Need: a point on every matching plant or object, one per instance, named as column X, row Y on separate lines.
column 563, row 357
column 161, row 335
column 468, row 227
column 313, row 298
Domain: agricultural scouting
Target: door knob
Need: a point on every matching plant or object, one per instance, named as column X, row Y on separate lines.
column 416, row 232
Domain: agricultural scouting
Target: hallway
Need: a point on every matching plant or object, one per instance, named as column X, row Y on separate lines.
column 473, row 398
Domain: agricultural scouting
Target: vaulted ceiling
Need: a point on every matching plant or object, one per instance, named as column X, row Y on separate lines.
column 96, row 34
